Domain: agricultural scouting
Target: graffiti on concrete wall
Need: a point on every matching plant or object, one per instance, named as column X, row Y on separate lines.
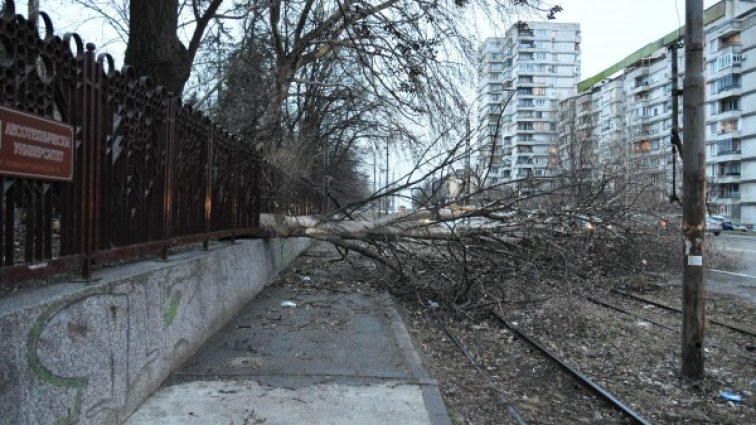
column 91, row 347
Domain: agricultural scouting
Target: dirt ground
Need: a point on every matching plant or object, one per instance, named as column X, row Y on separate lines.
column 635, row 359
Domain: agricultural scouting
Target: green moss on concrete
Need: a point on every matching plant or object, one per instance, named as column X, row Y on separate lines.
column 170, row 315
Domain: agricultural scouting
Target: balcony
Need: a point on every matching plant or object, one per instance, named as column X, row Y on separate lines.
column 724, row 156
column 729, row 152
column 726, row 91
column 640, row 88
column 724, row 135
column 729, row 195
column 726, row 115
column 727, row 172
column 727, row 178
column 524, row 34
column 641, row 71
column 732, row 48
column 730, row 28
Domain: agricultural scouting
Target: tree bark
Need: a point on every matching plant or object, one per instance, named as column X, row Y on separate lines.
column 154, row 49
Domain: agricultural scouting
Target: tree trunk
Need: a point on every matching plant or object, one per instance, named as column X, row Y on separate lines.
column 154, row 49
column 270, row 125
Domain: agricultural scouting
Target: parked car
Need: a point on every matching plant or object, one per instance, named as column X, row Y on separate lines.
column 723, row 221
column 737, row 227
column 713, row 226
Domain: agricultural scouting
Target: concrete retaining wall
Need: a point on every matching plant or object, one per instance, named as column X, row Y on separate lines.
column 90, row 353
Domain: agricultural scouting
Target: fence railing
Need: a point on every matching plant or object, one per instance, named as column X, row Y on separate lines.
column 149, row 172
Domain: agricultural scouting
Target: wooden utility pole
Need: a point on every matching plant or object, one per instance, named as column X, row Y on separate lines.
column 694, row 194
column 675, row 132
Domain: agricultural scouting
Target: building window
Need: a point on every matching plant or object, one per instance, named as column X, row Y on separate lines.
column 642, row 146
column 713, row 46
column 731, row 104
column 731, row 168
column 728, row 82
column 726, row 42
column 724, row 62
column 524, row 125
column 727, row 147
column 728, row 126
column 727, row 60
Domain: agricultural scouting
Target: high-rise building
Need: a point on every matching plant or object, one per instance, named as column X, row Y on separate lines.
column 639, row 125
column 522, row 78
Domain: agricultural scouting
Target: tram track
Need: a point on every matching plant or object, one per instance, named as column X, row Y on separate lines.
column 552, row 361
column 663, row 306
column 653, row 322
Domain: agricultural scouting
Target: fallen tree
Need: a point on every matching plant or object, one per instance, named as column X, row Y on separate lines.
column 488, row 245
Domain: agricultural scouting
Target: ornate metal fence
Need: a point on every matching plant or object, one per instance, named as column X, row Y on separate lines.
column 149, row 172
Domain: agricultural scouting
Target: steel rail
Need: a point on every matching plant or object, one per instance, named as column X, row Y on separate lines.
column 511, row 410
column 629, row 313
column 595, row 388
column 675, row 309
column 645, row 319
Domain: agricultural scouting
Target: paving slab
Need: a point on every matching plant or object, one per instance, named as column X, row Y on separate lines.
column 302, row 356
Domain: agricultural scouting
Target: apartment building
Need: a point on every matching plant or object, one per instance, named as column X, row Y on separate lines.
column 731, row 106
column 622, row 122
column 640, row 124
column 590, row 134
column 522, row 78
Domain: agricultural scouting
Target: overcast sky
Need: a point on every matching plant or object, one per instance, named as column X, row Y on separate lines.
column 612, row 29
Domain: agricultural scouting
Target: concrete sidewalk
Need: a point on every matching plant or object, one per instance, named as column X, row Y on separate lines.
column 335, row 358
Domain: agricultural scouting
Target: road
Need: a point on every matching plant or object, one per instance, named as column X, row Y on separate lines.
column 742, row 280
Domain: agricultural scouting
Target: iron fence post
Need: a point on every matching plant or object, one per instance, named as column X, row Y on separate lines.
column 91, row 127
column 169, row 132
column 209, row 161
